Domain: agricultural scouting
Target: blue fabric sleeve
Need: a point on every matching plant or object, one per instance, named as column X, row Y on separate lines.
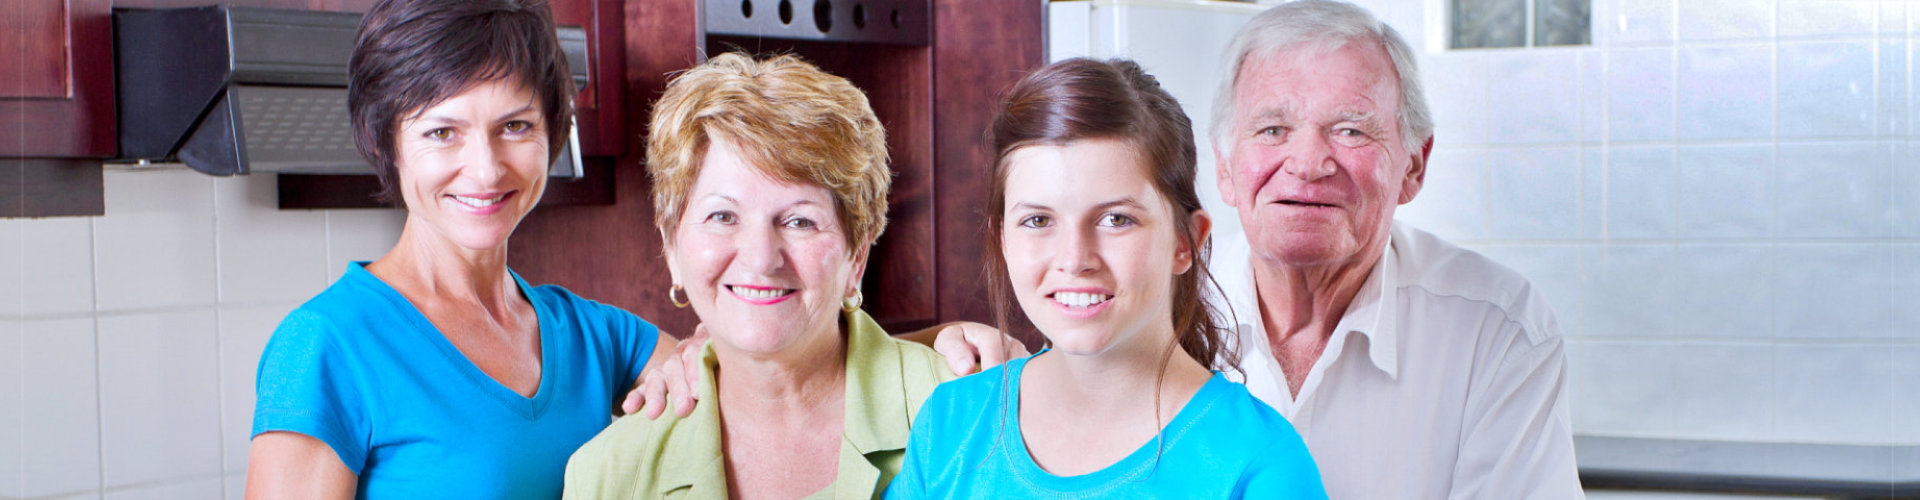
column 636, row 339
column 1286, row 471
column 307, row 384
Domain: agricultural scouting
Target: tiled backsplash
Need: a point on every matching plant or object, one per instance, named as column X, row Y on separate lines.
column 135, row 335
column 1727, row 225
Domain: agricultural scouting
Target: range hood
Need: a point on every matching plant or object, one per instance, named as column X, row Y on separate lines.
column 237, row 90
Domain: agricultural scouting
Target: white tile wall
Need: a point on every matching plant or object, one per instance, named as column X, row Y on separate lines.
column 1723, row 291
column 60, row 280
column 1826, row 17
column 1832, row 89
column 160, row 397
column 236, row 485
column 360, row 235
column 1724, row 391
column 1891, row 96
column 1906, row 392
column 1742, row 193
column 1629, row 291
column 1460, row 118
column 266, row 254
column 1534, row 194
column 12, row 415
column 1834, row 393
column 195, row 489
column 1627, row 388
column 155, row 247
column 1639, row 193
column 61, row 408
column 1725, row 19
column 243, row 336
column 1636, row 21
column 1533, row 106
column 1723, row 92
column 1833, row 291
column 1832, row 190
column 1639, row 97
column 1452, row 201
column 1725, row 191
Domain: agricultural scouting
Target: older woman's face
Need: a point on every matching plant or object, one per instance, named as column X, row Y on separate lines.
column 765, row 263
column 471, row 166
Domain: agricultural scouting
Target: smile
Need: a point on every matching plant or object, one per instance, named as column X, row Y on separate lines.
column 478, row 202
column 1080, row 299
column 761, row 296
column 1306, row 204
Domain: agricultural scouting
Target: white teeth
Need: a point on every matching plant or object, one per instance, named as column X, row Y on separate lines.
column 1080, row 299
column 758, row 294
column 478, row 202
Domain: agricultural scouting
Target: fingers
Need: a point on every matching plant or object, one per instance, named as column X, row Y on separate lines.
column 688, row 367
column 634, row 400
column 991, row 345
column 952, row 344
column 655, row 393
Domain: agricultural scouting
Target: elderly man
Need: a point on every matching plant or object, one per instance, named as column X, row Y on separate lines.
column 1413, row 368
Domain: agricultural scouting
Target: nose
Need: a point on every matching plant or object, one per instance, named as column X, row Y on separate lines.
column 480, row 160
column 1078, row 253
column 761, row 250
column 1311, row 157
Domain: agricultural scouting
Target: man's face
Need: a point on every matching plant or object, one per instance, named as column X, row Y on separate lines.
column 1315, row 163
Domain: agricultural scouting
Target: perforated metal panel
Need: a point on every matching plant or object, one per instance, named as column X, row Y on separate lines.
column 297, row 129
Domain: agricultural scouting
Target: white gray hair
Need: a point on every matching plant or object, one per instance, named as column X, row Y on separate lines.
column 1326, row 24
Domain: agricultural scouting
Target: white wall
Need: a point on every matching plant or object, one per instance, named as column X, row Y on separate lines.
column 1720, row 199
column 128, row 342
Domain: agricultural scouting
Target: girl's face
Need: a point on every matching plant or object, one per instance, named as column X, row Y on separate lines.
column 765, row 263
column 1091, row 247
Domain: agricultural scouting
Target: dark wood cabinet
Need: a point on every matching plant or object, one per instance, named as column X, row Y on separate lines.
column 935, row 101
column 56, row 106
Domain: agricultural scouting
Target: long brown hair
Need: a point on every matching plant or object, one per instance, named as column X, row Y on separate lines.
column 1080, row 99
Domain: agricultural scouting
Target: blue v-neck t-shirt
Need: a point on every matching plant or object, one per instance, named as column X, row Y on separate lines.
column 361, row 369
column 1224, row 444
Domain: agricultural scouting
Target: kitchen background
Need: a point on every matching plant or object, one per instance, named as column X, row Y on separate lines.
column 1719, row 197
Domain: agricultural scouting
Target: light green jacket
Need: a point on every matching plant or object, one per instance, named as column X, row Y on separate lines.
column 680, row 458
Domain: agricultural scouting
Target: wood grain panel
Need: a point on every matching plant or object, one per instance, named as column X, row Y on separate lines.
column 51, row 187
column 76, row 121
column 981, row 47
column 612, row 253
column 33, row 47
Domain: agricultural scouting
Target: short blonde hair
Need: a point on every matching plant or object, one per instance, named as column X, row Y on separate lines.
column 789, row 120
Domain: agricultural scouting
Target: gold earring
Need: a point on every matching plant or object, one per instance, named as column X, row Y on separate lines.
column 851, row 304
column 673, row 295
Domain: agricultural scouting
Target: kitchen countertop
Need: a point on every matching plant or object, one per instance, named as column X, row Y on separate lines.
column 1789, row 468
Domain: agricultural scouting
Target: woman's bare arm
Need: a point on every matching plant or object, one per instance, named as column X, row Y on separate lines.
column 293, row 465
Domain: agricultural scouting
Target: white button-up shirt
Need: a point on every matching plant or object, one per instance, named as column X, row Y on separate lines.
column 1446, row 378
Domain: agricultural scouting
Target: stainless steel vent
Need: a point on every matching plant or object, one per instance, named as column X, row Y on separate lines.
column 899, row 22
column 236, row 90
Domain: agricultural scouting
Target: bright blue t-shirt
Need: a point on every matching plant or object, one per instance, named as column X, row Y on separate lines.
column 361, row 369
column 1223, row 444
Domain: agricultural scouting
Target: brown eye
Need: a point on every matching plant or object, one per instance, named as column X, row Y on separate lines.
column 518, row 126
column 440, row 134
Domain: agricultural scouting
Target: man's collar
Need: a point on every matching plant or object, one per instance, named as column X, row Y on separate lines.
column 1374, row 313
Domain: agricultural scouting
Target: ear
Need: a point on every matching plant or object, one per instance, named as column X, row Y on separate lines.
column 859, row 270
column 1416, row 173
column 1183, row 255
column 668, row 252
column 1223, row 175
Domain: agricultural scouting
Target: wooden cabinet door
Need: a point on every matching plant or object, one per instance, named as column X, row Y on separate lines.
column 56, row 95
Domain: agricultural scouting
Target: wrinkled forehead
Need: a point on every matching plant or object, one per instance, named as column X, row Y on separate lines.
column 1350, row 75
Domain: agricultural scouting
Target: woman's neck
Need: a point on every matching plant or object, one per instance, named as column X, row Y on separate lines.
column 1080, row 414
column 431, row 268
column 794, row 380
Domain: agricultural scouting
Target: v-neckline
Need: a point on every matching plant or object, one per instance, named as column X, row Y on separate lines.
column 527, row 407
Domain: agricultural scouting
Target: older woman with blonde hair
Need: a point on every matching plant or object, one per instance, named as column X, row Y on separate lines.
column 770, row 185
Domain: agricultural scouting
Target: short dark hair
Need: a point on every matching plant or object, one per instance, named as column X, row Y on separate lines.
column 412, row 54
column 1080, row 99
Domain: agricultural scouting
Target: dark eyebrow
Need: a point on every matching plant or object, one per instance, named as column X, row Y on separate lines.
column 1123, row 202
column 510, row 114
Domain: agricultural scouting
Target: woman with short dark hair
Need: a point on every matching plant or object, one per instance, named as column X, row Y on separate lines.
column 435, row 371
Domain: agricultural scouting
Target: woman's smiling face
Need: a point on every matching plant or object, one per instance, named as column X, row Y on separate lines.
column 471, row 166
column 1091, row 247
column 765, row 263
